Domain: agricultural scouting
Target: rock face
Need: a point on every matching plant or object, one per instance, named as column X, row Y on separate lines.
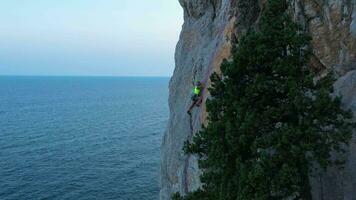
column 210, row 29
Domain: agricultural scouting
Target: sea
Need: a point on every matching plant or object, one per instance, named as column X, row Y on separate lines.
column 81, row 138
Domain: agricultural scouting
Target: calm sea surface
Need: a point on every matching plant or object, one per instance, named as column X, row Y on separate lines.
column 81, row 138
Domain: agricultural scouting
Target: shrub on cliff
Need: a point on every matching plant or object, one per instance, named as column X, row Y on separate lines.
column 269, row 124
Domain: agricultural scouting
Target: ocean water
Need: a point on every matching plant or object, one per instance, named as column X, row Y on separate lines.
column 81, row 137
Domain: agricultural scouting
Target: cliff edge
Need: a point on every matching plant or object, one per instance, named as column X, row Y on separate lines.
column 210, row 29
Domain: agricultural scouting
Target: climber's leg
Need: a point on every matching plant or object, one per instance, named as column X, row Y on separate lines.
column 200, row 100
column 191, row 107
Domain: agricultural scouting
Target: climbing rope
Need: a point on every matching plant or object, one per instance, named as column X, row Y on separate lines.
column 204, row 81
column 186, row 162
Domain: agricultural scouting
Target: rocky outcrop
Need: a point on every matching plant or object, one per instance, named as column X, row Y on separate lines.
column 336, row 183
column 210, row 29
column 331, row 23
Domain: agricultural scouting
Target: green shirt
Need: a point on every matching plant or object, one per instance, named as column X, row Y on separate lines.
column 196, row 90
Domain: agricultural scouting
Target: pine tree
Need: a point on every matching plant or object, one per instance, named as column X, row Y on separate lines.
column 269, row 122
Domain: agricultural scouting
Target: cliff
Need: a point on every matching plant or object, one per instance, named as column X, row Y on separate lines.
column 210, row 29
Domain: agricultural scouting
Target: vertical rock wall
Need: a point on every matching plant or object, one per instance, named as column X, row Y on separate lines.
column 204, row 41
column 210, row 29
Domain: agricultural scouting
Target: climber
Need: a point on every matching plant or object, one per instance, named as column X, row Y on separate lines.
column 196, row 96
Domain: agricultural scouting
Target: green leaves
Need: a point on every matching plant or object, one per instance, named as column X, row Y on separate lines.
column 269, row 124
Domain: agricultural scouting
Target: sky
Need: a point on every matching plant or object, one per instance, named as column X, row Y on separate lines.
column 89, row 37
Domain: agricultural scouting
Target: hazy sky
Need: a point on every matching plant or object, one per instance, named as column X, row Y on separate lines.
column 89, row 37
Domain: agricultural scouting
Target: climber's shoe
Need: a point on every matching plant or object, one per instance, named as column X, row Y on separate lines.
column 189, row 113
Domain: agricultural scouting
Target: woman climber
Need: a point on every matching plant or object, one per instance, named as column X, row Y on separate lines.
column 197, row 97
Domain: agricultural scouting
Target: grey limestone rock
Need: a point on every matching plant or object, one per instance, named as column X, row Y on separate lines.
column 210, row 29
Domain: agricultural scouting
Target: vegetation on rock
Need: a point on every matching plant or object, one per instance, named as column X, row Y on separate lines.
column 270, row 123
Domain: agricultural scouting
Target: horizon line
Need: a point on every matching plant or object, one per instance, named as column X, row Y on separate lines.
column 98, row 76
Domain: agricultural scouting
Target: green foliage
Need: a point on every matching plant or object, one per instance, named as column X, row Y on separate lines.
column 269, row 124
